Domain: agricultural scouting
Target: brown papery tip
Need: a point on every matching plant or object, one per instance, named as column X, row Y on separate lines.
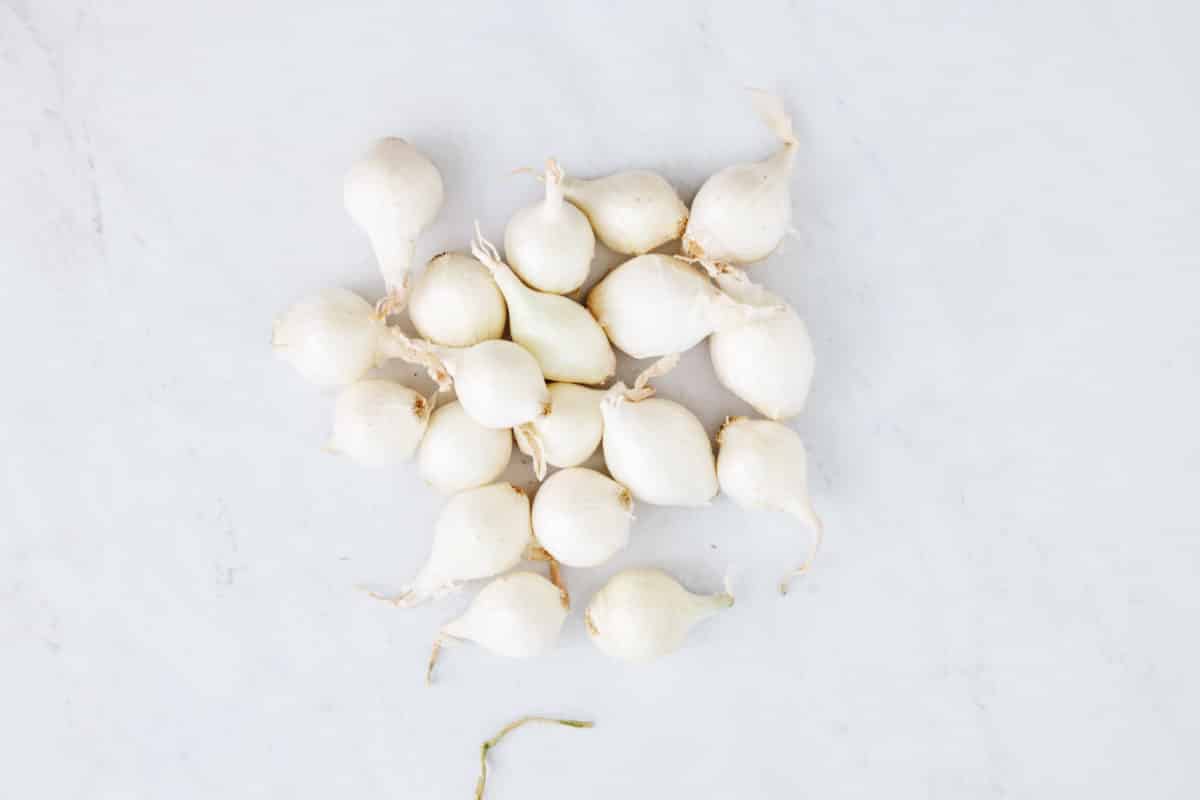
column 547, row 407
column 625, row 499
column 517, row 489
column 590, row 624
column 681, row 226
column 728, row 421
column 420, row 405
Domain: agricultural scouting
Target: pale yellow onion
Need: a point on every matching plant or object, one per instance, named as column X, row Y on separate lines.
column 560, row 333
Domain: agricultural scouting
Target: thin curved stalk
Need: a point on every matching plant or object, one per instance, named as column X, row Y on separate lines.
column 481, row 784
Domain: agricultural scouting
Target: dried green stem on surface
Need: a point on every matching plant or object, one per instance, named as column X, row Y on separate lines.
column 510, row 727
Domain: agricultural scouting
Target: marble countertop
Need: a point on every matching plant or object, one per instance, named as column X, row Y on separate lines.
column 996, row 253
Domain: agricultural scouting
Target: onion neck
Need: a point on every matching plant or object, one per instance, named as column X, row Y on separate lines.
column 725, row 313
column 706, row 605
column 511, row 287
column 395, row 254
column 437, row 361
column 554, row 187
column 515, row 292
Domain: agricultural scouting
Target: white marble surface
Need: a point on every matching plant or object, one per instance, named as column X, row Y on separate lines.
column 998, row 258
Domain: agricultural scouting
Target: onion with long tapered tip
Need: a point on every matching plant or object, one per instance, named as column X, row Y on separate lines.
column 551, row 244
column 767, row 362
column 762, row 464
column 655, row 305
column 518, row 615
column 632, row 212
column 561, row 334
column 642, row 614
column 455, row 302
column 394, row 192
column 656, row 447
column 741, row 214
column 458, row 453
column 378, row 423
column 480, row 533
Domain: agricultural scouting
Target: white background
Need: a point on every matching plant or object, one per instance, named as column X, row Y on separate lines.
column 997, row 208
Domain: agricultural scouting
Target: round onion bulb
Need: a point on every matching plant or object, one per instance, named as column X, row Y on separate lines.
column 656, row 447
column 561, row 334
column 518, row 615
column 378, row 423
column 458, row 453
column 498, row 382
column 581, row 517
column 741, row 214
column 334, row 338
column 654, row 305
column 768, row 362
column 550, row 245
column 571, row 432
column 763, row 465
column 480, row 533
column 631, row 212
column 642, row 614
column 456, row 303
column 393, row 193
